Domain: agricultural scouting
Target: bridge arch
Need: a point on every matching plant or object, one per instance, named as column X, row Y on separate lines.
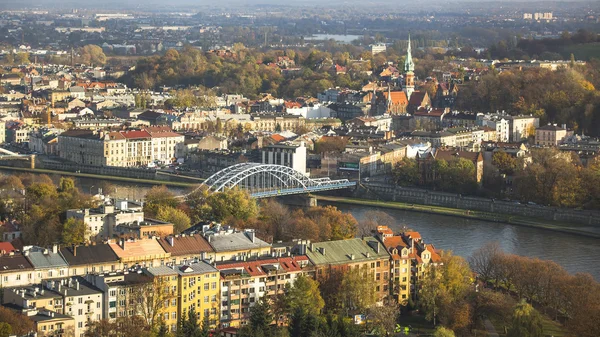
column 266, row 180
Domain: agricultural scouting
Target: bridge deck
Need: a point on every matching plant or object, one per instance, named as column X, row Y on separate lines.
column 301, row 190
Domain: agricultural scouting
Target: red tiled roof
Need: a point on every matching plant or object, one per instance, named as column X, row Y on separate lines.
column 398, row 97
column 185, row 245
column 135, row 134
column 277, row 138
column 253, row 268
column 432, row 112
column 6, row 247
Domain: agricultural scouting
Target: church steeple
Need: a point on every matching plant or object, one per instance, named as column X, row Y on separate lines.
column 409, row 75
column 408, row 63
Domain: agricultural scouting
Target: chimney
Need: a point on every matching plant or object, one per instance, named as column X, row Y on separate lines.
column 54, row 249
column 74, row 250
column 351, row 256
column 122, row 243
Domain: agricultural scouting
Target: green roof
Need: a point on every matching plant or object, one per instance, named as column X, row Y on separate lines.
column 343, row 251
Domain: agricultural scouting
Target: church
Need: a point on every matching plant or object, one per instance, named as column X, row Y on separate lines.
column 398, row 102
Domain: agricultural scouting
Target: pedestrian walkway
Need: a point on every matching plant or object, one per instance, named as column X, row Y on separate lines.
column 489, row 327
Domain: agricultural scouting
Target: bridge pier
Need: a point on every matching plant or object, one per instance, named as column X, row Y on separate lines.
column 301, row 200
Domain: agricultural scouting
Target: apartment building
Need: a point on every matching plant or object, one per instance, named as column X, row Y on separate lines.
column 199, row 289
column 48, row 263
column 521, row 127
column 128, row 148
column 243, row 283
column 102, row 221
column 142, row 252
column 551, row 135
column 168, row 279
column 353, row 254
column 16, row 270
column 90, row 259
column 233, row 245
column 290, row 155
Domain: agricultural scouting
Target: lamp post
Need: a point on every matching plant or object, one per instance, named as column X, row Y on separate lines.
column 91, row 189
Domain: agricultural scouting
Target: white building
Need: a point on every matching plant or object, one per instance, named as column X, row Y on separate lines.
column 313, row 111
column 378, row 48
column 103, row 221
column 290, row 155
column 498, row 122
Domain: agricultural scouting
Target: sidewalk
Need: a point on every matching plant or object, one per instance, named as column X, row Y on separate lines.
column 490, row 328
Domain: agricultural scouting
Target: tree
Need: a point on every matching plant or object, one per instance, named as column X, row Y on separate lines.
column 334, row 224
column 5, row 329
column 440, row 331
column 383, row 318
column 305, row 294
column 526, row 322
column 149, row 296
column 74, row 232
column 92, row 55
column 22, row 58
column 406, row 172
column 177, row 217
column 234, row 203
column 66, row 185
column 157, row 198
column 373, row 219
column 484, row 261
column 357, row 290
column 505, row 163
column 20, row 325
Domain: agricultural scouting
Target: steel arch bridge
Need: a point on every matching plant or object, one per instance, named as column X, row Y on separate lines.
column 269, row 180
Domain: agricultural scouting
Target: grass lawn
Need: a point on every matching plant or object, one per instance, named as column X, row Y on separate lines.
column 417, row 323
column 551, row 328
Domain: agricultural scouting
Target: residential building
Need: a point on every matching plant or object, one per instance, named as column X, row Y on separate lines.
column 187, row 248
column 90, row 259
column 199, row 288
column 144, row 229
column 16, row 270
column 378, row 48
column 243, row 283
column 102, row 221
column 522, row 127
column 367, row 255
column 400, row 264
column 229, row 244
column 129, row 148
column 475, row 157
column 142, row 252
column 429, row 119
column 550, row 135
column 168, row 279
column 48, row 263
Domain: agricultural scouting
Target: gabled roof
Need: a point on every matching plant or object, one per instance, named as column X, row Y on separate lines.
column 195, row 268
column 417, row 98
column 10, row 263
column 185, row 245
column 235, row 241
column 398, row 97
column 448, row 155
column 83, row 255
column 44, row 258
column 6, row 247
column 139, row 249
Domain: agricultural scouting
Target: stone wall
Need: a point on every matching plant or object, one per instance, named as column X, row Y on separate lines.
column 138, row 173
column 451, row 200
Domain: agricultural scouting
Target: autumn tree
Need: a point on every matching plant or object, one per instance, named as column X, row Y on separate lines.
column 334, row 224
column 484, row 261
column 233, row 203
column 505, row 163
column 372, row 219
column 177, row 217
column 20, row 325
column 92, row 55
column 357, row 290
column 441, row 331
column 159, row 197
column 383, row 318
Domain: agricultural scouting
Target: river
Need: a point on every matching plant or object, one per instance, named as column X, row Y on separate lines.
column 463, row 236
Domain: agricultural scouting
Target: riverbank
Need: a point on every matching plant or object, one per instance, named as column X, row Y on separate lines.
column 570, row 228
column 97, row 176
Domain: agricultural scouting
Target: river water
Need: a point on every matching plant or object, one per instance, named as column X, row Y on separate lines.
column 463, row 236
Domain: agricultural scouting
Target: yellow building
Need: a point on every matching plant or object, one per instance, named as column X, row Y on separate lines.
column 168, row 279
column 199, row 288
column 50, row 323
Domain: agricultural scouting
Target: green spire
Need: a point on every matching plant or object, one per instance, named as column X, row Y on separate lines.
column 408, row 63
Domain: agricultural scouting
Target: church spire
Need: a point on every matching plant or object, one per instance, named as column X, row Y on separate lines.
column 408, row 63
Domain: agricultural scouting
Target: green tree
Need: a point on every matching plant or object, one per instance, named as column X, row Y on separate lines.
column 66, row 185
column 357, row 290
column 177, row 217
column 5, row 329
column 74, row 232
column 22, row 58
column 406, row 172
column 234, row 203
column 305, row 294
column 526, row 322
column 440, row 331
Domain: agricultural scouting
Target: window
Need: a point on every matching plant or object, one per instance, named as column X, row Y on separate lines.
column 206, row 285
column 80, row 300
